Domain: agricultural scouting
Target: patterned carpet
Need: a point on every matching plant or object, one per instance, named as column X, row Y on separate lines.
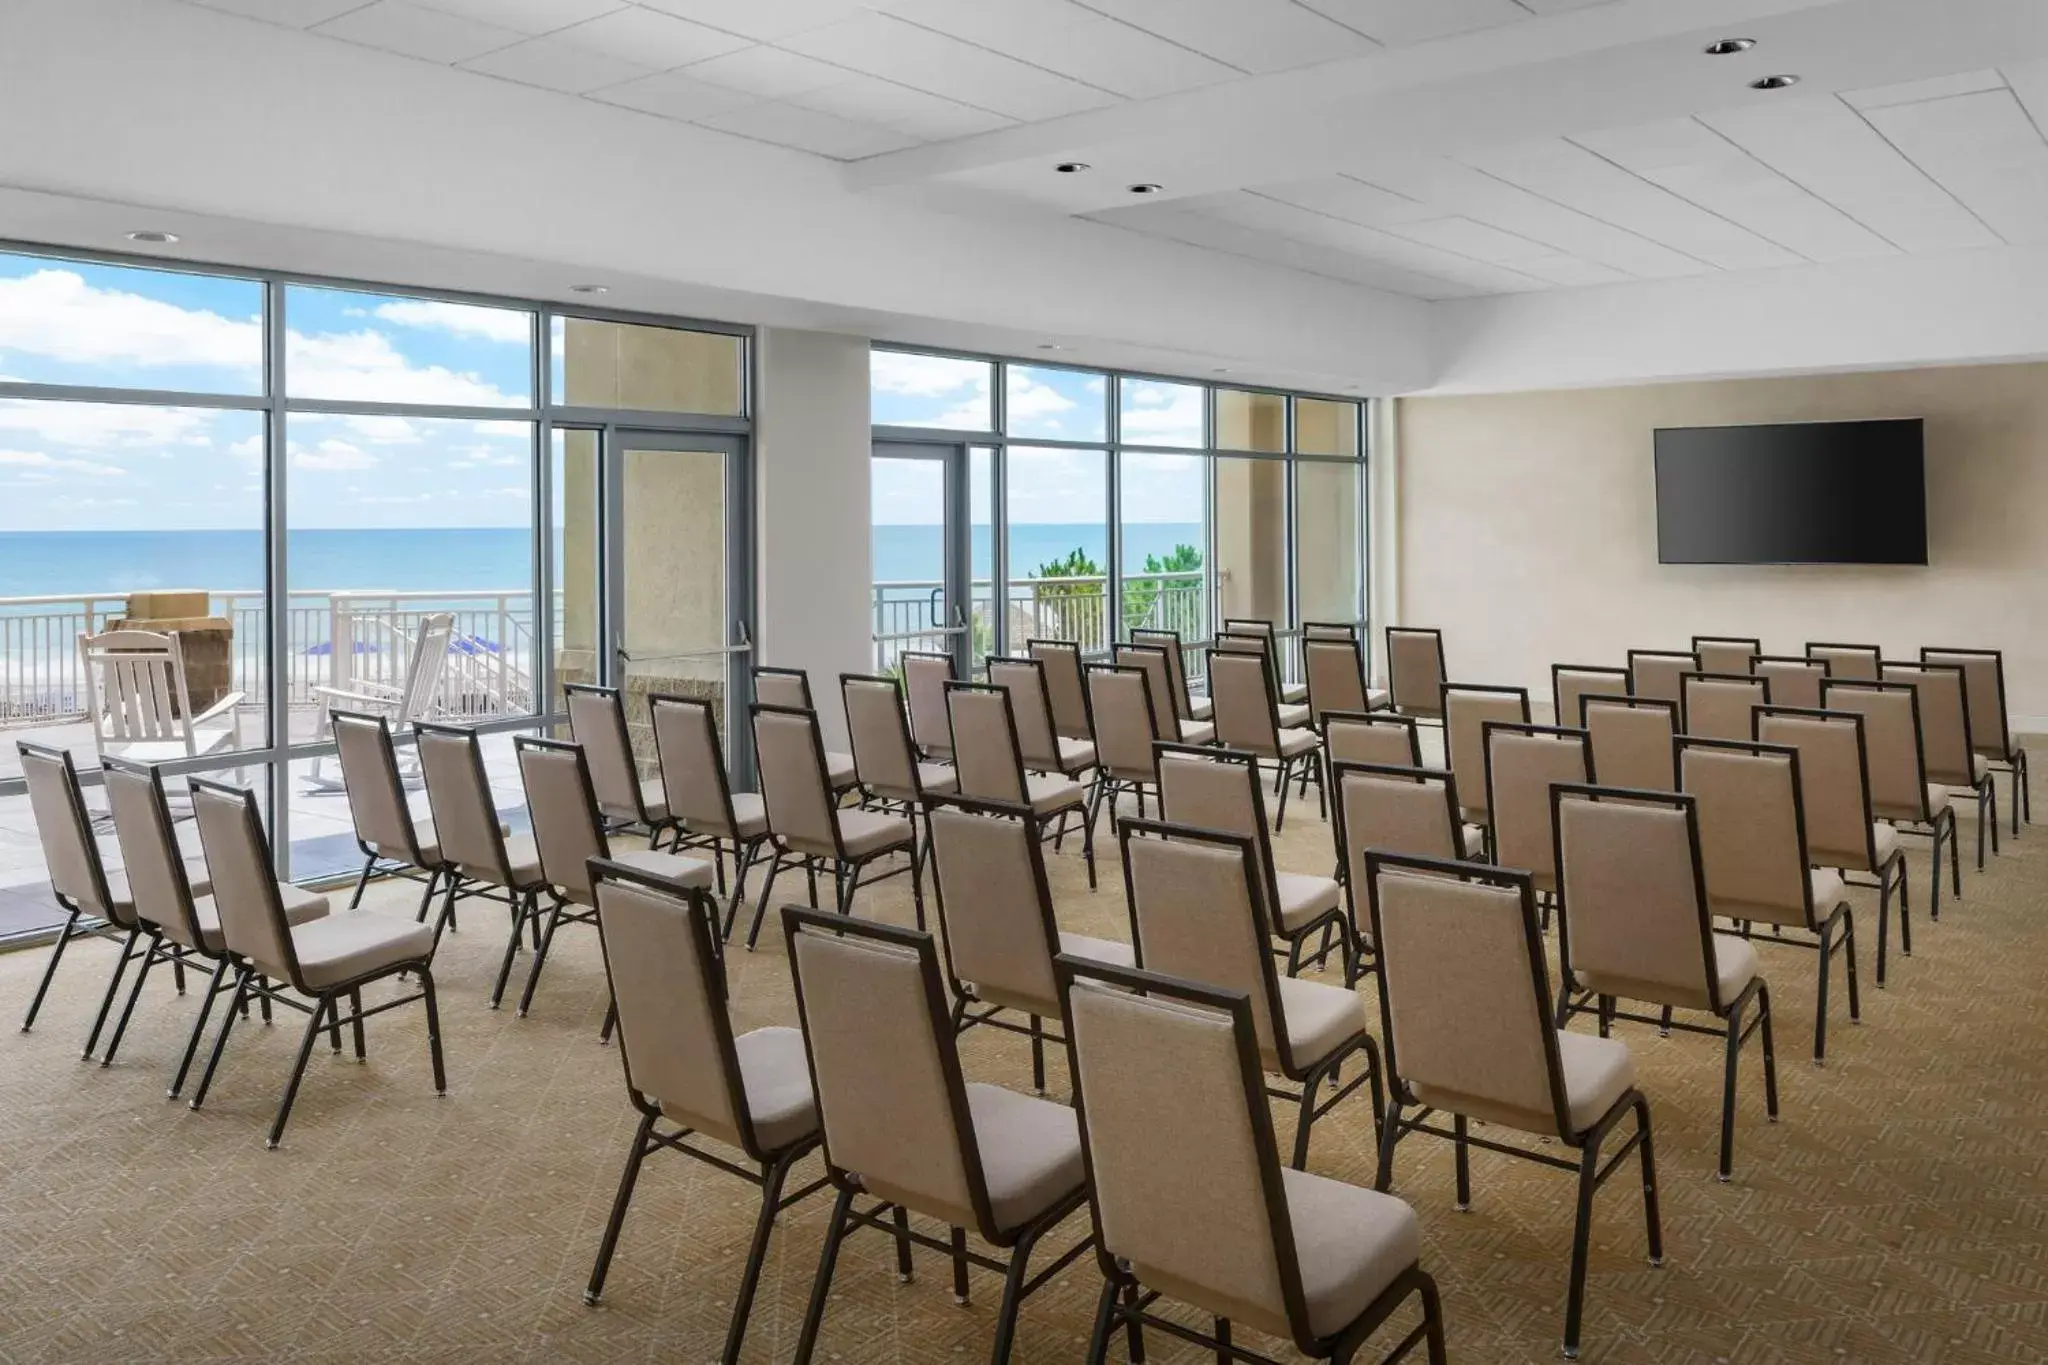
column 1898, row 1213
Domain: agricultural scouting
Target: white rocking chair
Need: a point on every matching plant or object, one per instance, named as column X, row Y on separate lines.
column 416, row 698
column 136, row 697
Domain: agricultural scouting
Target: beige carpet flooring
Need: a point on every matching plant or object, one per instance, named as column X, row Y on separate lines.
column 1898, row 1213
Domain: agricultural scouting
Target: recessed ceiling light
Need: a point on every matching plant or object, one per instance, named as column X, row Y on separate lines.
column 1071, row 167
column 1728, row 47
column 589, row 289
column 153, row 238
column 1774, row 83
column 1050, row 346
column 1146, row 188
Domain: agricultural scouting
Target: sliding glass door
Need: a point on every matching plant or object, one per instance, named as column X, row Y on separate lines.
column 928, row 550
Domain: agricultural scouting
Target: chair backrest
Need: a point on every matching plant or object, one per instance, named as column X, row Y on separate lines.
column 1255, row 628
column 1660, row 673
column 1630, row 740
column 1726, row 653
column 1466, row 709
column 986, row 755
column 796, row 794
column 924, row 681
column 786, row 688
column 1523, row 762
column 1375, row 737
column 57, row 800
column 675, row 1037
column 245, row 894
column 1183, row 1168
column 884, row 1068
column 459, row 795
column 1851, row 663
column 1330, row 630
column 1834, row 782
column 1721, row 705
column 1463, row 987
column 1065, row 688
column 1247, row 704
column 694, row 785
column 597, row 721
column 375, row 791
column 1569, row 682
column 158, row 886
column 421, row 690
column 995, row 904
column 135, row 687
column 1984, row 681
column 1127, row 721
column 1195, row 915
column 1156, row 661
column 1401, row 810
column 1415, row 670
column 1178, row 701
column 1632, row 895
column 1336, row 678
column 1892, row 743
column 1794, row 681
column 883, row 756
column 1219, row 789
column 561, row 799
column 1752, row 825
column 1946, row 725
column 1037, row 737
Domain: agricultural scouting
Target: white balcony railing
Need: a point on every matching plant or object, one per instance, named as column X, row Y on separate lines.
column 908, row 612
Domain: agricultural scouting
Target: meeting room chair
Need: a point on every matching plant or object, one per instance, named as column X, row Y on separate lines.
column 1900, row 794
column 1948, row 743
column 1466, row 708
column 790, row 689
column 1186, row 704
column 907, row 1131
column 1188, row 1196
column 1415, row 671
column 1852, row 663
column 597, row 721
column 925, row 676
column 1130, row 723
column 697, row 792
column 1569, row 682
column 891, row 773
column 1399, row 810
column 1630, row 740
column 1660, row 673
column 1336, row 680
column 1465, row 1010
column 1523, row 762
column 1157, row 664
column 1249, row 719
column 1731, row 654
column 1044, row 748
column 1372, row 737
column 1066, row 689
column 990, row 762
column 1990, row 722
column 1290, row 693
column 1794, row 681
column 1721, row 705
column 393, row 841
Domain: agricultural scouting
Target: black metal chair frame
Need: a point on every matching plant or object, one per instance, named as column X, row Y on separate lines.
column 743, row 852
column 641, row 819
column 1303, row 766
column 1091, row 797
column 406, row 870
column 1367, row 961
column 77, row 923
column 1931, row 826
column 2013, row 759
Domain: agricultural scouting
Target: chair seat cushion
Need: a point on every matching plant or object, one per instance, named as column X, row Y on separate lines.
column 776, row 1077
column 124, row 899
column 1097, row 949
column 1303, row 897
column 1937, row 798
column 1030, row 1152
column 938, row 777
column 335, row 949
column 1076, row 755
column 1197, row 732
column 1200, row 708
column 1597, row 1072
column 1887, row 841
column 1351, row 1244
column 1293, row 694
column 684, row 871
column 1980, row 767
column 300, row 906
column 654, row 799
column 1377, row 699
column 1319, row 1019
column 522, row 855
column 1296, row 740
column 423, row 834
column 864, row 833
column 1734, row 965
column 1292, row 715
column 839, row 770
column 1050, row 795
column 1829, row 890
column 1473, row 839
column 750, row 814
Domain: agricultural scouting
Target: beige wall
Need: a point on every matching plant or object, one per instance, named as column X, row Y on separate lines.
column 1528, row 527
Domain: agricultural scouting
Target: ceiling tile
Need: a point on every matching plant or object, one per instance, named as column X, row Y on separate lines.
column 762, row 20
column 296, row 13
column 413, row 31
column 1480, row 241
column 1215, row 234
column 1413, row 21
column 652, row 39
column 1910, row 92
column 1250, row 210
column 768, row 72
column 931, row 118
column 1251, row 35
column 1826, row 147
column 556, row 65
column 808, row 130
column 882, row 45
column 527, row 16
column 1065, row 37
column 1355, row 201
column 676, row 95
column 1984, row 150
column 1560, row 6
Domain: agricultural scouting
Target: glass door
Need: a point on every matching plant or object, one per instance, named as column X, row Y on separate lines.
column 923, row 590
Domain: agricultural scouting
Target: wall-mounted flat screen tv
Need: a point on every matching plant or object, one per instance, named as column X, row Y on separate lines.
column 1800, row 493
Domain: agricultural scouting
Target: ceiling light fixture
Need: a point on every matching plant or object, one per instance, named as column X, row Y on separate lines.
column 1774, row 83
column 1072, row 167
column 589, row 289
column 1050, row 346
column 153, row 238
column 1146, row 187
column 1728, row 47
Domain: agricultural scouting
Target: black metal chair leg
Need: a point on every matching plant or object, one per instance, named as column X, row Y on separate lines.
column 1726, row 1171
column 959, row 1242
column 540, row 957
column 1305, row 1119
column 427, row 896
column 757, row 1255
column 362, row 881
column 761, row 910
column 1038, row 1054
column 610, row 1241
column 1820, row 1009
column 1390, row 1136
column 214, row 983
column 1653, row 1221
column 152, row 951
column 71, row 931
column 1105, row 1323
column 1582, row 1236
column 355, row 1004
column 220, row 1040
column 324, row 1008
column 1763, row 999
column 522, row 910
column 1280, row 815
column 1463, row 1156
column 92, row 1040
column 821, row 1287
column 1013, row 1296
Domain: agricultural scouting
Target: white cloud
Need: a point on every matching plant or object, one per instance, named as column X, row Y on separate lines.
column 331, row 454
column 248, row 448
column 1036, row 403
column 1162, row 414
column 55, row 313
column 466, row 320
column 366, row 367
column 105, row 426
column 926, row 375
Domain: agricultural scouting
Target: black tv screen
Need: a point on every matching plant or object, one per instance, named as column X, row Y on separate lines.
column 1801, row 493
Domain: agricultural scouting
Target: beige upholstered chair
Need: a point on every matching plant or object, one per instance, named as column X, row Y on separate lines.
column 904, row 1128
column 1523, row 762
column 808, row 831
column 1948, row 740
column 1186, row 705
column 597, row 721
column 685, row 1067
column 569, row 831
column 708, row 813
column 1900, row 793
column 1854, row 663
column 1794, row 681
column 1336, row 680
column 1634, row 925
column 483, row 862
column 1248, row 719
column 1466, row 708
column 1734, row 654
column 1376, row 737
column 328, row 960
column 1630, row 739
column 1252, row 628
column 1415, row 671
column 386, row 830
column 1842, row 832
column 1130, row 719
column 890, row 771
column 1330, row 630
column 991, row 766
column 1397, row 809
column 1721, row 705
column 1044, row 748
column 1660, row 673
column 1197, row 913
column 1065, row 687
column 1753, row 848
column 996, row 912
column 1569, row 682
column 1157, row 665
column 790, row 689
column 924, row 682
column 1188, row 1194
column 1245, row 642
column 1465, row 1010
column 1990, row 723
column 179, row 924
column 1219, row 790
